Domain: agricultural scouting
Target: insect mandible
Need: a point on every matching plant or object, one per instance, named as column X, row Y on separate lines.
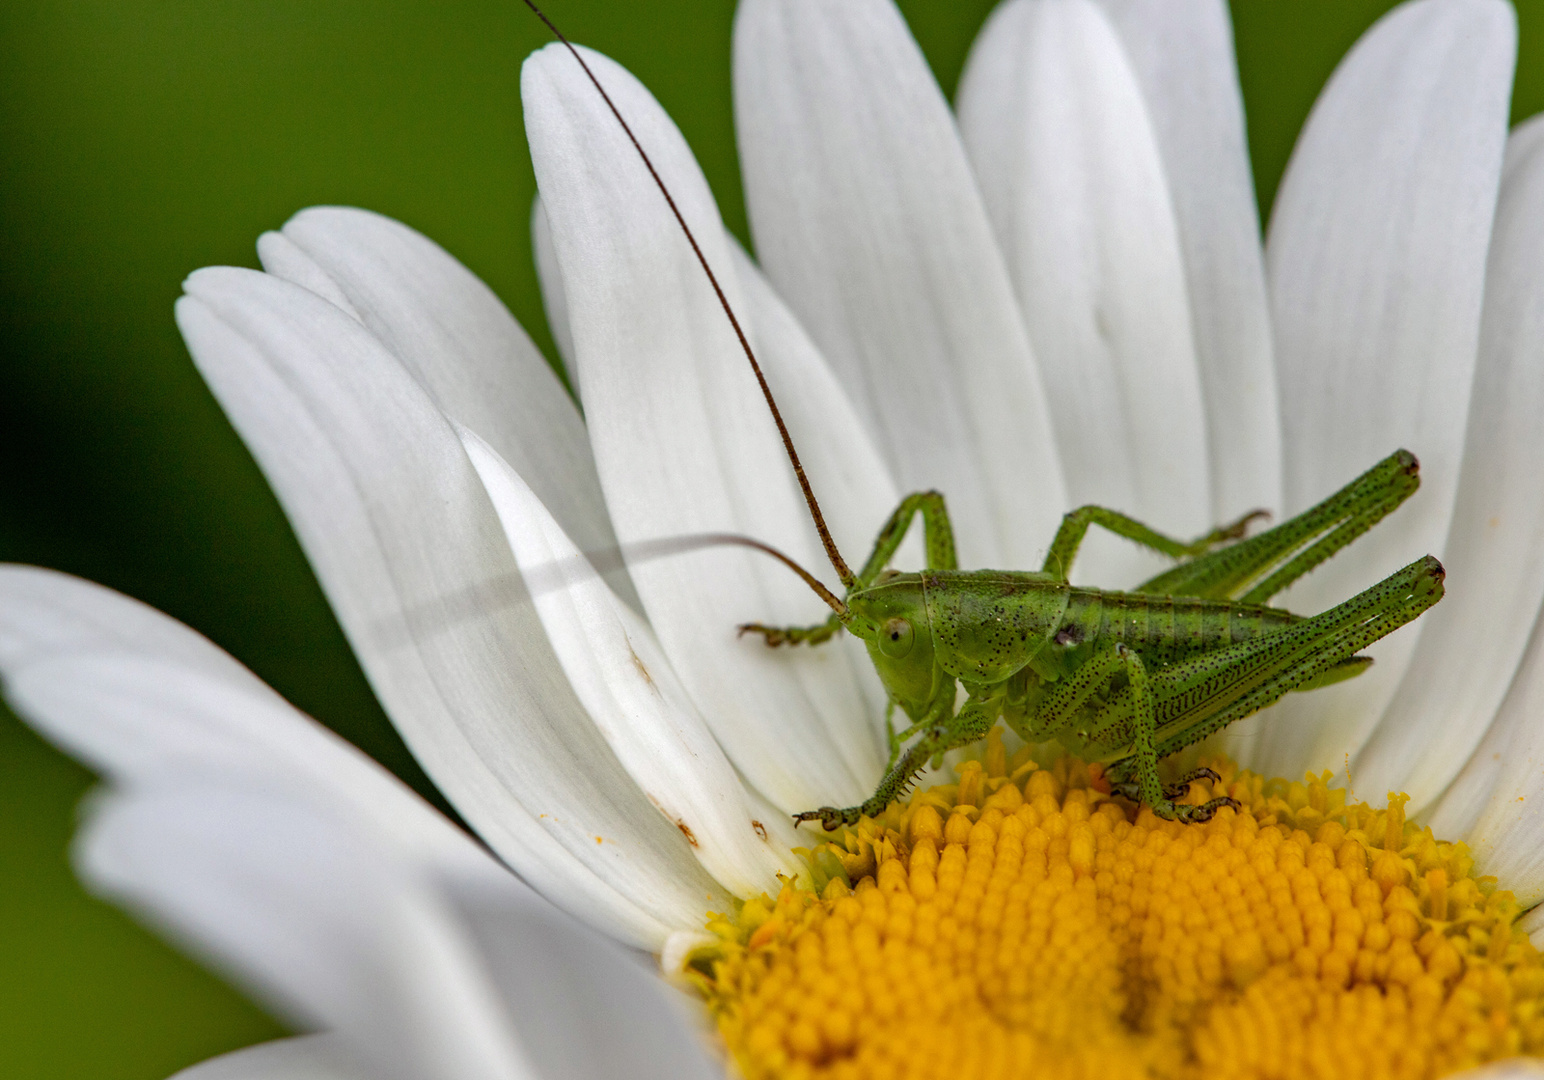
column 1120, row 678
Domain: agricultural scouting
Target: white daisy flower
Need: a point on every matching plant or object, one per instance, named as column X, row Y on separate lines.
column 1055, row 295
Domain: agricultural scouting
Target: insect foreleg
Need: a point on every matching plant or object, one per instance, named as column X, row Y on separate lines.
column 898, row 738
column 938, row 536
column 938, row 713
column 1333, row 523
column 969, row 724
column 892, row 740
column 1074, row 527
column 795, row 635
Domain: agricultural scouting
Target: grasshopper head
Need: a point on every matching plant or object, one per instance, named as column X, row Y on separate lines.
column 891, row 618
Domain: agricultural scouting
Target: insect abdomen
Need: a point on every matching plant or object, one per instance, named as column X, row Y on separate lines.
column 1165, row 624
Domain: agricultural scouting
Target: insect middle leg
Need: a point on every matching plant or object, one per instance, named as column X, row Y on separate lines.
column 1075, row 525
column 938, row 539
column 1060, row 709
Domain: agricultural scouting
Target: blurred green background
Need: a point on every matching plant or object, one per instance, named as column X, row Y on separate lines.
column 140, row 140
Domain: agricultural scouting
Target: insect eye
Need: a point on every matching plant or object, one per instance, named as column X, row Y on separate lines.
column 895, row 638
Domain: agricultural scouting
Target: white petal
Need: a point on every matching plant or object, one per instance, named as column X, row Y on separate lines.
column 553, row 299
column 586, row 1009
column 305, row 1057
column 621, row 675
column 1182, row 52
column 1497, row 802
column 1494, row 802
column 1376, row 264
column 869, row 223
column 416, row 566
column 1471, row 642
column 854, row 486
column 846, row 468
column 578, row 1008
column 682, row 438
column 678, row 949
column 150, row 703
column 460, row 341
column 284, row 259
column 1069, row 168
column 856, row 491
column 324, row 925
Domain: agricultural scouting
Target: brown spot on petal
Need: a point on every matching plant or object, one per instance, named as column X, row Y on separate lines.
column 761, row 830
column 686, row 831
column 642, row 668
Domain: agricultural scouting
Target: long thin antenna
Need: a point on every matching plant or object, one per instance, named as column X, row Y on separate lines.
column 638, row 551
column 842, row 570
column 521, row 586
column 810, row 579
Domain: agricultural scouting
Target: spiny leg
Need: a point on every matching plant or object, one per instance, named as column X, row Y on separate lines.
column 1061, row 707
column 939, row 713
column 892, row 740
column 1348, row 628
column 1145, row 756
column 1177, row 790
column 1181, row 787
column 971, row 723
column 1058, row 709
column 1200, row 695
column 938, row 538
column 1075, row 525
column 898, row 738
column 1333, row 523
column 1203, row 693
column 937, row 535
column 818, row 634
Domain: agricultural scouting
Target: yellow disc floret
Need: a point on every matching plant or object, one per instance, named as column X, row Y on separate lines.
column 1023, row 923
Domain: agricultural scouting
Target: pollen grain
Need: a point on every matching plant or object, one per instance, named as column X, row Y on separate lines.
column 1022, row 922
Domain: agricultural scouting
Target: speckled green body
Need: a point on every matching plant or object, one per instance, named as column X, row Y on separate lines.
column 1124, row 678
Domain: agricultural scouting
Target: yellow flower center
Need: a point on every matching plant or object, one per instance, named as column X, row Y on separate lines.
column 1023, row 923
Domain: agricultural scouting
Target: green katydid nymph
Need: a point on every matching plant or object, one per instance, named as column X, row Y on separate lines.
column 1119, row 678
column 1122, row 678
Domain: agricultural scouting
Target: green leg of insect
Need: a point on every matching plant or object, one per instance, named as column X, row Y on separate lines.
column 898, row 738
column 938, row 537
column 1314, row 535
column 971, row 723
column 1137, row 704
column 1265, row 669
column 893, row 739
column 818, row 634
column 1342, row 632
column 1074, row 527
column 1226, row 573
